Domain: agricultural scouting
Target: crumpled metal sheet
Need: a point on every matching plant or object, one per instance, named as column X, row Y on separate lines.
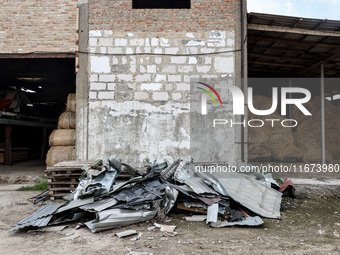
column 249, row 221
column 198, row 186
column 132, row 170
column 156, row 169
column 212, row 214
column 75, row 204
column 245, row 190
column 69, row 218
column 143, row 192
column 115, row 218
column 184, row 171
column 168, row 173
column 100, row 205
column 101, row 183
column 169, row 199
column 40, row 218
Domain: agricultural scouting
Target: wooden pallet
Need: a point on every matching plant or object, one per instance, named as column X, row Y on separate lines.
column 63, row 177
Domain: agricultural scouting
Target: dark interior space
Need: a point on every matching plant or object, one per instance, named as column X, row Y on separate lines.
column 161, row 4
column 293, row 47
column 33, row 93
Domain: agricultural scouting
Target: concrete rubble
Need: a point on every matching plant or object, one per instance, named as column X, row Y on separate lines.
column 221, row 199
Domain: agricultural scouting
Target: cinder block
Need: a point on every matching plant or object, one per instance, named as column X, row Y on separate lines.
column 121, row 42
column 125, row 77
column 185, row 69
column 95, row 33
column 143, row 77
column 151, row 86
column 151, row 69
column 107, row 77
column 171, row 50
column 160, row 96
column 154, row 41
column 102, row 95
column 140, row 95
column 98, row 86
column 183, row 86
column 92, row 95
column 105, row 42
column 203, row 69
column 174, row 78
column 176, row 96
column 100, row 64
column 178, row 60
column 159, row 77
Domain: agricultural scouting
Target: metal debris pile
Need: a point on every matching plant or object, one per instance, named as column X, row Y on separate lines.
column 222, row 199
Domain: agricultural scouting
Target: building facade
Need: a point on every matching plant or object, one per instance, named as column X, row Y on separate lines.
column 136, row 62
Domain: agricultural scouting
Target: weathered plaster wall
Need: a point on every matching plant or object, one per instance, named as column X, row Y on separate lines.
column 140, row 65
column 139, row 104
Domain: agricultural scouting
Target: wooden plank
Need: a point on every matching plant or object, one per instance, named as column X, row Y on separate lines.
column 182, row 207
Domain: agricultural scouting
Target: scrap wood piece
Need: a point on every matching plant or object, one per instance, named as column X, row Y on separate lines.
column 183, row 207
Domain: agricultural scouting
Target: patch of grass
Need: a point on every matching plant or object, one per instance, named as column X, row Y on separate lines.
column 39, row 186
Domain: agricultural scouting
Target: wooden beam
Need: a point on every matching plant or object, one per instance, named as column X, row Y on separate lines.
column 274, row 57
column 26, row 123
column 276, row 49
column 269, row 70
column 274, row 64
column 295, row 42
column 38, row 55
column 316, row 65
column 8, row 146
column 292, row 30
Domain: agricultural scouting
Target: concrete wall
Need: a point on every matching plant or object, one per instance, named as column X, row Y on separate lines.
column 139, row 75
column 36, row 25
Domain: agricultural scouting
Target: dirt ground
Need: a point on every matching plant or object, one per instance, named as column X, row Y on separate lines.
column 310, row 224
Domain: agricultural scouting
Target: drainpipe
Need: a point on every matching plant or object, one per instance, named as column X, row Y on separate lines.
column 242, row 76
column 323, row 149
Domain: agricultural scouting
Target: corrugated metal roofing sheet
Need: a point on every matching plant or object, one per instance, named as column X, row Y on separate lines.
column 100, row 205
column 40, row 218
column 198, row 186
column 75, row 204
column 247, row 191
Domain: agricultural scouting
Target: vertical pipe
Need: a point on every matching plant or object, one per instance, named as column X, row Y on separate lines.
column 242, row 76
column 322, row 113
column 290, row 96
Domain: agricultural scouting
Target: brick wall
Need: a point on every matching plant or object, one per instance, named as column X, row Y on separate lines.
column 204, row 15
column 37, row 25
